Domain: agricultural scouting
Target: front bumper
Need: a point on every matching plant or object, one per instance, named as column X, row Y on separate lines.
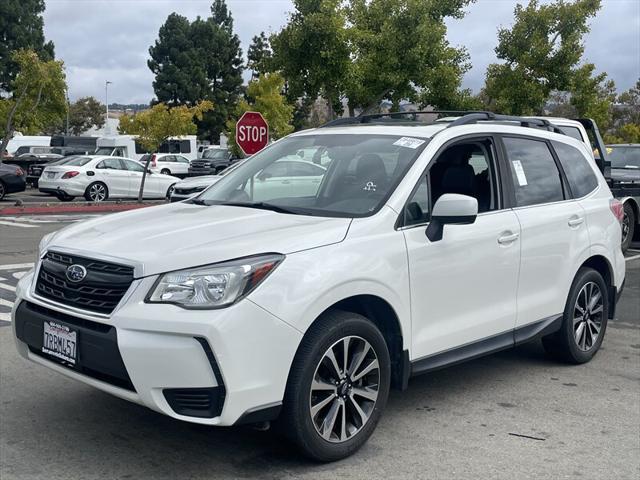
column 239, row 356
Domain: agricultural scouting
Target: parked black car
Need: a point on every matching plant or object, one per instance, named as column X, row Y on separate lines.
column 625, row 172
column 12, row 179
column 213, row 161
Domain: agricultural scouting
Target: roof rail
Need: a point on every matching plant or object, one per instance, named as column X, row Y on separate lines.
column 394, row 117
column 465, row 118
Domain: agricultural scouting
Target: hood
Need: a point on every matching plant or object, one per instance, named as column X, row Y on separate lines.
column 202, row 181
column 182, row 235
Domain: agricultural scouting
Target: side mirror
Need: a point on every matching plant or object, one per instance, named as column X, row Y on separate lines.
column 451, row 209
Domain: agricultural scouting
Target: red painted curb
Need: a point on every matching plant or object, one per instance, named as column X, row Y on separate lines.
column 58, row 209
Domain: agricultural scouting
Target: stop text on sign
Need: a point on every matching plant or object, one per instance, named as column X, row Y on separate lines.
column 252, row 132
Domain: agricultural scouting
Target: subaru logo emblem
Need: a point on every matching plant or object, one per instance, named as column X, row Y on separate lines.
column 76, row 273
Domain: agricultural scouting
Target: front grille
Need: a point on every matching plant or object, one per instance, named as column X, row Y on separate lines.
column 100, row 291
column 200, row 164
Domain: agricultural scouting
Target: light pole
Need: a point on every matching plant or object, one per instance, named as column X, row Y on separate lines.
column 67, row 129
column 106, row 102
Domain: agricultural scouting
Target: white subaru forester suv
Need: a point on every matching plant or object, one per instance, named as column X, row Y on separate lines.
column 421, row 246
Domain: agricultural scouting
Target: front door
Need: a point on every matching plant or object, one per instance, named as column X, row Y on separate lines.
column 112, row 172
column 463, row 287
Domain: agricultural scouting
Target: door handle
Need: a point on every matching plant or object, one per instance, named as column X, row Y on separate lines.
column 508, row 238
column 575, row 221
column 286, row 182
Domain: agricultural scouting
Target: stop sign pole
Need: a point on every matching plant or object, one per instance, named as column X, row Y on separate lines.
column 252, row 132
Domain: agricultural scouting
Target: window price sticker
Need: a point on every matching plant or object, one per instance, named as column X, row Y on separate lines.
column 517, row 167
column 409, row 142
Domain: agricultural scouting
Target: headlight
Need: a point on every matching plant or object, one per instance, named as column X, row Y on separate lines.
column 213, row 286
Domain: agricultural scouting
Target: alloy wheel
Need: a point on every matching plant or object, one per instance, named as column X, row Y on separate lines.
column 97, row 192
column 625, row 227
column 1, row 191
column 587, row 316
column 344, row 389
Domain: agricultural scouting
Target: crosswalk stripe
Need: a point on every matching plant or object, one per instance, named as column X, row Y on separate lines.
column 6, row 303
column 5, row 316
column 16, row 266
column 7, row 287
column 21, row 225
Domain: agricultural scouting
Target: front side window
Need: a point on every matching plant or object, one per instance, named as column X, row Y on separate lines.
column 534, row 172
column 579, row 173
column 77, row 161
column 133, row 166
column 110, row 164
column 361, row 172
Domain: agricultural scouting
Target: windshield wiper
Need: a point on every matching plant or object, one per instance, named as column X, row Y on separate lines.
column 261, row 206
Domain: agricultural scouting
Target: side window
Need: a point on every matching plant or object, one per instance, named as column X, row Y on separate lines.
column 276, row 169
column 535, row 175
column 110, row 164
column 302, row 169
column 118, row 152
column 133, row 166
column 577, row 169
column 417, row 209
column 182, row 159
column 168, row 158
column 185, row 146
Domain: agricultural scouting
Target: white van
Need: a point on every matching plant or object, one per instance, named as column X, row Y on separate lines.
column 127, row 146
column 27, row 140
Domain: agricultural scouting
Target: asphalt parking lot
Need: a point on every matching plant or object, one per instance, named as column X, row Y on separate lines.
column 516, row 414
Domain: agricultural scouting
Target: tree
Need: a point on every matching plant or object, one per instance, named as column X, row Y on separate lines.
column 312, row 51
column 400, row 52
column 625, row 125
column 264, row 95
column 259, row 55
column 38, row 98
column 21, row 29
column 84, row 113
column 201, row 60
column 592, row 96
column 540, row 53
column 160, row 122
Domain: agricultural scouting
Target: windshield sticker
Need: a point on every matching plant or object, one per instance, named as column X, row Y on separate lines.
column 409, row 142
column 522, row 178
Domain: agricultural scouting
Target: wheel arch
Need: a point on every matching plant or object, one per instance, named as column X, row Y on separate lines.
column 601, row 265
column 634, row 205
column 382, row 314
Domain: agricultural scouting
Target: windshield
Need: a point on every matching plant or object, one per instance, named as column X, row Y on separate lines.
column 624, row 157
column 215, row 154
column 325, row 175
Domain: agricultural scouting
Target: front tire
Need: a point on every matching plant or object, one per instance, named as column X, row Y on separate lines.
column 170, row 190
column 628, row 226
column 3, row 190
column 584, row 320
column 96, row 192
column 165, row 171
column 338, row 386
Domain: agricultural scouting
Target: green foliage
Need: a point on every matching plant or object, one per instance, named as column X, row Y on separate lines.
column 593, row 96
column 312, row 51
column 199, row 60
column 21, row 29
column 625, row 126
column 160, row 122
column 540, row 53
column 264, row 95
column 259, row 55
column 84, row 113
column 391, row 63
column 38, row 98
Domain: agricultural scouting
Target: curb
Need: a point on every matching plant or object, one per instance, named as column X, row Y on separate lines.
column 55, row 209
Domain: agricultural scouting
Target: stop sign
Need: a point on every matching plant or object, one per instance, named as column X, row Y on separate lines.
column 252, row 132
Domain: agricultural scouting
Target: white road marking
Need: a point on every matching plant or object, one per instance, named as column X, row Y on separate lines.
column 6, row 303
column 18, row 275
column 5, row 316
column 2, row 279
column 16, row 266
column 14, row 224
column 635, row 257
column 7, row 287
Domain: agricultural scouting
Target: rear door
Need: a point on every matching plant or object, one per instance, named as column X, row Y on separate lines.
column 553, row 228
column 113, row 173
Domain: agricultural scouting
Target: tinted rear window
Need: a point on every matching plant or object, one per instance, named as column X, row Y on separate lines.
column 582, row 180
column 536, row 177
column 624, row 157
column 572, row 132
column 77, row 161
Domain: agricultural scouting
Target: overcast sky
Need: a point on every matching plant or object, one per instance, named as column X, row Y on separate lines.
column 109, row 39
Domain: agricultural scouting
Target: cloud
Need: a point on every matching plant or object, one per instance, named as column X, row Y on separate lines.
column 103, row 40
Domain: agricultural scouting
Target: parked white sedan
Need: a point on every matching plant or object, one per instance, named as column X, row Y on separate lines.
column 98, row 177
column 167, row 163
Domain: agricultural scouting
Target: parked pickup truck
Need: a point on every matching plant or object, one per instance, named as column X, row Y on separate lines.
column 213, row 161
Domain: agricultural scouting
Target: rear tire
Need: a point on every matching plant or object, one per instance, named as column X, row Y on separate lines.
column 165, row 171
column 170, row 190
column 584, row 320
column 65, row 198
column 3, row 190
column 628, row 226
column 96, row 192
column 331, row 408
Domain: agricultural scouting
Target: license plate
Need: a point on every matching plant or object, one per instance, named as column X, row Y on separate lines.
column 51, row 174
column 60, row 341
